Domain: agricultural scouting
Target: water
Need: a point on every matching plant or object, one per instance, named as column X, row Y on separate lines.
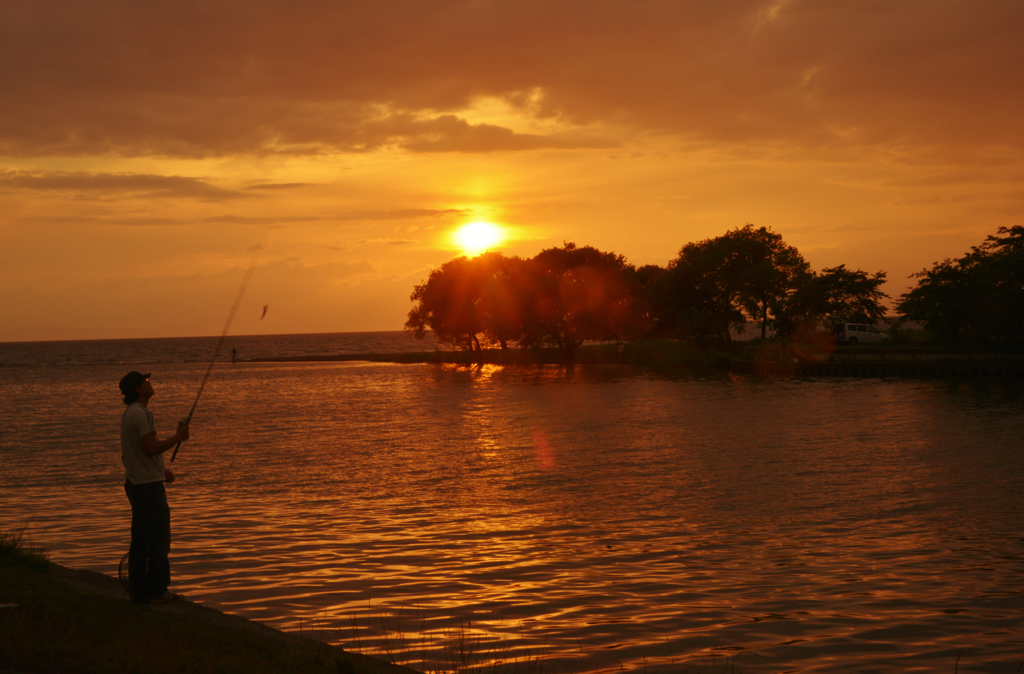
column 598, row 518
column 200, row 349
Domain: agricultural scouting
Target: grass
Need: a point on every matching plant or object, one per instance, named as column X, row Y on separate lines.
column 729, row 664
column 912, row 337
column 51, row 625
column 15, row 552
column 670, row 355
column 455, row 648
column 463, row 650
column 458, row 648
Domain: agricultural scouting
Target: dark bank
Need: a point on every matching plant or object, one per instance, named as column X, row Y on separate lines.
column 56, row 619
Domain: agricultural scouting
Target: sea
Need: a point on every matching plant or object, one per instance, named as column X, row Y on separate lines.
column 546, row 518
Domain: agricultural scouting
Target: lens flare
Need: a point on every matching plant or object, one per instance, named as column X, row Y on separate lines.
column 476, row 237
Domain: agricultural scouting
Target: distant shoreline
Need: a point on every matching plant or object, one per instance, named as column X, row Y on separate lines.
column 773, row 360
column 489, row 357
column 657, row 354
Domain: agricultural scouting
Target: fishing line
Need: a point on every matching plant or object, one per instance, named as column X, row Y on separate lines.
column 231, row 316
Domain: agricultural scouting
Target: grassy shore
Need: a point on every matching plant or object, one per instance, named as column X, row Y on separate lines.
column 55, row 619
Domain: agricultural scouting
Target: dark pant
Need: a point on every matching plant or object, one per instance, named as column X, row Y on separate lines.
column 149, row 572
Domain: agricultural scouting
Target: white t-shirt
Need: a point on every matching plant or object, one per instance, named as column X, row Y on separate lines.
column 140, row 467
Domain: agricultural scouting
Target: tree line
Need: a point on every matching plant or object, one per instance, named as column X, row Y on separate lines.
column 567, row 295
column 974, row 299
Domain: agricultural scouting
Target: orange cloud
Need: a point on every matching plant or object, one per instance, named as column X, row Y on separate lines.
column 267, row 77
column 116, row 183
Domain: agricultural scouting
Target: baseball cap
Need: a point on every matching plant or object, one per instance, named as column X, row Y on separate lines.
column 132, row 381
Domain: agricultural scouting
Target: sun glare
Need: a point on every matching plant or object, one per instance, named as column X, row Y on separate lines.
column 476, row 237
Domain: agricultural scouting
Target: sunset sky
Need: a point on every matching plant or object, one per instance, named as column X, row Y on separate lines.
column 146, row 147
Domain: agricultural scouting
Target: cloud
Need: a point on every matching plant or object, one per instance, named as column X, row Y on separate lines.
column 400, row 214
column 262, row 219
column 160, row 78
column 934, row 200
column 226, row 127
column 391, row 242
column 449, row 133
column 80, row 220
column 384, row 215
column 990, row 176
column 115, row 183
column 342, row 216
column 273, row 187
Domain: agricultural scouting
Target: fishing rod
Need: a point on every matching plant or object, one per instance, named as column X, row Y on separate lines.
column 231, row 316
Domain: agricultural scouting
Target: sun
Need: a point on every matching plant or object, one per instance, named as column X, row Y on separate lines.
column 476, row 237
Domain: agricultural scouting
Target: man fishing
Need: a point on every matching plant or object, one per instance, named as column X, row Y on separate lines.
column 149, row 572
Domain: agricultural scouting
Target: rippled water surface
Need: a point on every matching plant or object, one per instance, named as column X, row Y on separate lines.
column 599, row 518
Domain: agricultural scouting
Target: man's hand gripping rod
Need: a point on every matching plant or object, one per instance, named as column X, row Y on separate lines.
column 231, row 316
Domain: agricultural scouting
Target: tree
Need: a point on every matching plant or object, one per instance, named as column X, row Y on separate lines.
column 573, row 294
column 767, row 269
column 835, row 294
column 447, row 303
column 650, row 288
column 469, row 298
column 978, row 297
column 698, row 300
column 713, row 282
column 501, row 306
